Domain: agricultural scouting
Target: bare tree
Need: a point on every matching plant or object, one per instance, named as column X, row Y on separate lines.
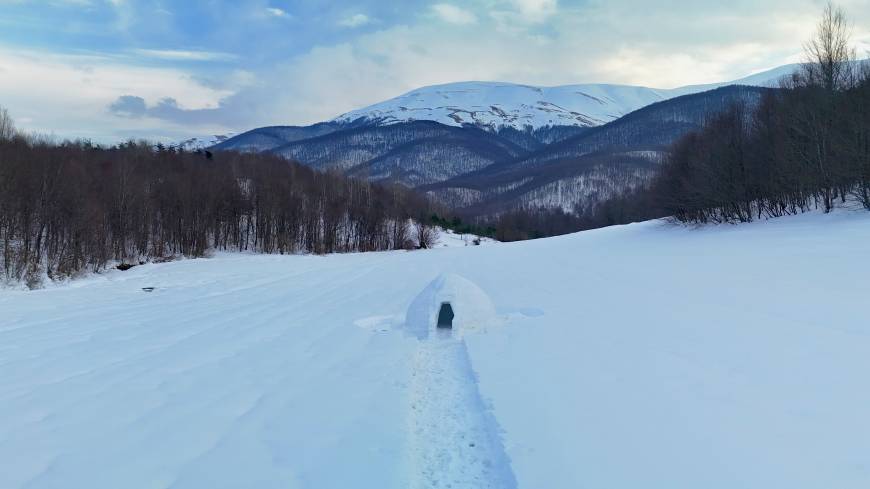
column 7, row 126
column 427, row 235
column 830, row 60
column 830, row 68
column 68, row 207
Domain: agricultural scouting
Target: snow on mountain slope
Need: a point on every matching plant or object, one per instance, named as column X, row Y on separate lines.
column 646, row 355
column 204, row 142
column 496, row 104
column 768, row 79
column 504, row 104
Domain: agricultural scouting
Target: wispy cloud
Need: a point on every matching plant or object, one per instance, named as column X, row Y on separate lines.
column 183, row 55
column 356, row 20
column 536, row 9
column 276, row 12
column 453, row 14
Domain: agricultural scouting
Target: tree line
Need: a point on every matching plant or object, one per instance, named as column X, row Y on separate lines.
column 805, row 146
column 74, row 206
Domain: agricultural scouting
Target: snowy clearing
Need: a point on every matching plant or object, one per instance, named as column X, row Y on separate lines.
column 448, row 238
column 646, row 355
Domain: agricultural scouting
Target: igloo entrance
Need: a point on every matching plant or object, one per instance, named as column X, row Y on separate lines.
column 445, row 316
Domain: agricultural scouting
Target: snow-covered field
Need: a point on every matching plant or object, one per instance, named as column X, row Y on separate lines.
column 638, row 356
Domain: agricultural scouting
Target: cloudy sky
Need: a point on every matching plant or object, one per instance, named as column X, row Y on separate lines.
column 113, row 69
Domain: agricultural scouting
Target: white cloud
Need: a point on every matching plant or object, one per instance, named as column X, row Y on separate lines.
column 182, row 55
column 520, row 15
column 536, row 9
column 453, row 14
column 68, row 95
column 356, row 20
column 275, row 12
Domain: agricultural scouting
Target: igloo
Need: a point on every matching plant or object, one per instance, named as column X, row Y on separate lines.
column 449, row 303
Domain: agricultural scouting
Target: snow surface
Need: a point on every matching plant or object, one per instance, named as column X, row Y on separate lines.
column 497, row 104
column 646, row 355
column 198, row 143
column 505, row 104
column 448, row 238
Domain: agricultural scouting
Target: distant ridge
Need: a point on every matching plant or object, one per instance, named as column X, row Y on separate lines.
column 499, row 104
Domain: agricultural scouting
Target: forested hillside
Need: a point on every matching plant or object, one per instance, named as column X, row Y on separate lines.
column 268, row 138
column 804, row 147
column 596, row 165
column 412, row 153
column 69, row 207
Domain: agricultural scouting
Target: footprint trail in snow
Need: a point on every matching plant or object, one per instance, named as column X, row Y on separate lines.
column 455, row 440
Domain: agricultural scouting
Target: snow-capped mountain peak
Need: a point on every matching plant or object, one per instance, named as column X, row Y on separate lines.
column 504, row 104
column 497, row 104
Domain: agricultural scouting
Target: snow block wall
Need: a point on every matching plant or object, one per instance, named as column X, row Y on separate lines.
column 471, row 306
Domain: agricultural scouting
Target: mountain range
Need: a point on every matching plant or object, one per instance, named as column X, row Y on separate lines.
column 496, row 104
column 488, row 147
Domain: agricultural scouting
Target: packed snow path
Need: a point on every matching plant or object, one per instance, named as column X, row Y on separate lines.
column 455, row 443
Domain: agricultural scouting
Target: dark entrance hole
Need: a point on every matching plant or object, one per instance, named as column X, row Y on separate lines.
column 445, row 316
